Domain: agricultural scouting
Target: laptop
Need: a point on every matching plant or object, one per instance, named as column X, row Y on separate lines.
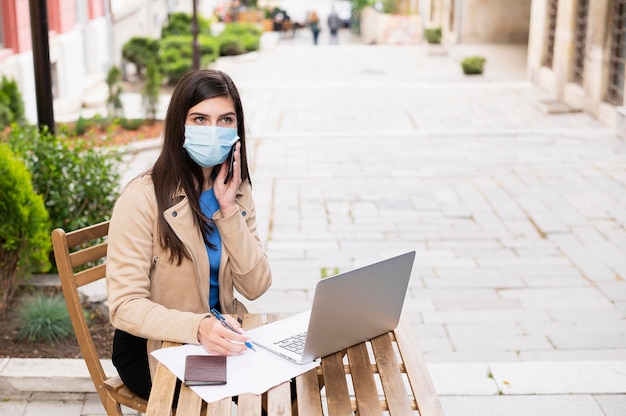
column 347, row 309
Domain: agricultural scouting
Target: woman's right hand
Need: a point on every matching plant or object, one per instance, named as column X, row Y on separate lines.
column 217, row 339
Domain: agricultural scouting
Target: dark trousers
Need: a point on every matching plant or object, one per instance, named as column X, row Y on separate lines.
column 130, row 358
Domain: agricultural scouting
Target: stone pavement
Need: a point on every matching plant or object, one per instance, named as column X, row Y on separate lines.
column 518, row 218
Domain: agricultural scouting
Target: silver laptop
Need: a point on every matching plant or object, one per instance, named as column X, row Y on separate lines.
column 348, row 308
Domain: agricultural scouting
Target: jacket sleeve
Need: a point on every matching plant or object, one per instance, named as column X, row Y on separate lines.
column 129, row 259
column 247, row 260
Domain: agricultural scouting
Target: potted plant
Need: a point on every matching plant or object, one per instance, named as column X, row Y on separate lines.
column 473, row 65
column 433, row 37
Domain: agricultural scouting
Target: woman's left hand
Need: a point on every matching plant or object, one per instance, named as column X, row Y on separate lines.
column 225, row 193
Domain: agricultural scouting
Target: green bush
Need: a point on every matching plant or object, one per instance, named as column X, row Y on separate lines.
column 247, row 35
column 131, row 123
column 242, row 29
column 179, row 23
column 24, row 227
column 473, row 65
column 11, row 103
column 151, row 89
column 176, row 55
column 140, row 51
column 82, row 125
column 433, row 35
column 114, row 83
column 42, row 317
column 79, row 184
column 230, row 46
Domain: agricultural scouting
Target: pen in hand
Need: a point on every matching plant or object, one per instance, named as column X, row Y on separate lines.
column 221, row 318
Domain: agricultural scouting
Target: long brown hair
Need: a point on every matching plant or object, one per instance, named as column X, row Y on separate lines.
column 174, row 170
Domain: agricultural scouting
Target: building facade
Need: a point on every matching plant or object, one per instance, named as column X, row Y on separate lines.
column 577, row 52
column 85, row 40
column 467, row 21
column 576, row 48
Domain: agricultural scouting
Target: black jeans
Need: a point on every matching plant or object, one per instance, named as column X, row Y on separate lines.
column 130, row 358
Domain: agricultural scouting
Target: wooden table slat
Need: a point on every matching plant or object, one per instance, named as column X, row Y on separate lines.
column 189, row 403
column 218, row 408
column 308, row 391
column 249, row 404
column 252, row 321
column 337, row 396
column 162, row 394
column 423, row 389
column 279, row 399
column 397, row 398
column 365, row 389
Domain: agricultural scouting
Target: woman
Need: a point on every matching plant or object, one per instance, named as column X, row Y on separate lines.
column 314, row 25
column 184, row 234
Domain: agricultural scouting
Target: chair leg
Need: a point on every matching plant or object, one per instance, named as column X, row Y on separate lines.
column 112, row 407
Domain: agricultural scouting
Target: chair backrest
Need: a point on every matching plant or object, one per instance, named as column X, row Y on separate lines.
column 80, row 258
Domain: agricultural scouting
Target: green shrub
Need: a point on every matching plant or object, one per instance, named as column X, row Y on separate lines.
column 82, row 125
column 79, row 184
column 179, row 23
column 230, row 46
column 114, row 83
column 433, row 35
column 394, row 6
column 242, row 29
column 245, row 34
column 42, row 317
column 176, row 55
column 131, row 123
column 151, row 89
column 209, row 49
column 140, row 51
column 473, row 65
column 11, row 103
column 24, row 227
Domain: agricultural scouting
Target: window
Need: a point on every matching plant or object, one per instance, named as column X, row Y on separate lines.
column 552, row 10
column 580, row 39
column 617, row 57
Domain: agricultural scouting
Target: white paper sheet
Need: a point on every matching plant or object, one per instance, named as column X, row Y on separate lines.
column 250, row 372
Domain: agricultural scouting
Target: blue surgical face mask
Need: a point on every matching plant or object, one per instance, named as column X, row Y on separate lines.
column 209, row 145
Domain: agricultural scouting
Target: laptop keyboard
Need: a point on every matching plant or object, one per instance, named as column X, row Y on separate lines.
column 294, row 343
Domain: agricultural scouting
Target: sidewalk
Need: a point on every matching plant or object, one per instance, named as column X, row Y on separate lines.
column 361, row 152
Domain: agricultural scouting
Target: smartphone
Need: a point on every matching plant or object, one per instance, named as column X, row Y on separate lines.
column 230, row 165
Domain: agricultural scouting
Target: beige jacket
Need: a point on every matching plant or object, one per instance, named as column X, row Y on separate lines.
column 151, row 297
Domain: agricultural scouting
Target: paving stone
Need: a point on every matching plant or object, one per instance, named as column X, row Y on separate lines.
column 558, row 298
column 55, row 407
column 555, row 405
column 588, row 341
column 483, row 330
column 580, row 377
column 13, row 406
column 617, row 354
column 484, row 316
column 462, row 379
column 611, row 405
column 501, row 343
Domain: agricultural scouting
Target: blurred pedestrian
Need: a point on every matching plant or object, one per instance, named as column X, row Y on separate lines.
column 314, row 25
column 334, row 23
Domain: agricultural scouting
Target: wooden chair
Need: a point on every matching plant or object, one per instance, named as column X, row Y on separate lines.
column 88, row 257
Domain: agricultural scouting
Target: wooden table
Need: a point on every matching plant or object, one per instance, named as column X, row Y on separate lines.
column 386, row 373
